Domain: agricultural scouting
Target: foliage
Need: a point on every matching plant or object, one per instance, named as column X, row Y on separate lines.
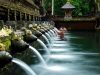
column 57, row 6
column 83, row 7
column 5, row 43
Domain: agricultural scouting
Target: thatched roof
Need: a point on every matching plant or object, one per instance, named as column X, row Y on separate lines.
column 68, row 5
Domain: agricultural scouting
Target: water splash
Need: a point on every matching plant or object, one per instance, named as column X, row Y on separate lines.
column 38, row 54
column 49, row 32
column 45, row 38
column 56, row 68
column 56, row 30
column 45, row 47
column 54, row 35
column 49, row 37
column 24, row 66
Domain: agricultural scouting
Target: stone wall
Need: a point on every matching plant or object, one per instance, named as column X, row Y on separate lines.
column 26, row 56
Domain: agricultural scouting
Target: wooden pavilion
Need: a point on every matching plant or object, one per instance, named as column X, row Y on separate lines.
column 14, row 10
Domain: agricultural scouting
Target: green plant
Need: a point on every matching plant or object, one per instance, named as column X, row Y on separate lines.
column 83, row 7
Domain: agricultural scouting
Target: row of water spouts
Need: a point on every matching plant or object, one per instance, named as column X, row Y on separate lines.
column 47, row 35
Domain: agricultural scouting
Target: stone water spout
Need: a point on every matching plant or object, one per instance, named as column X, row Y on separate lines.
column 5, row 58
column 17, row 43
column 28, row 35
column 30, row 38
column 37, row 33
column 18, row 46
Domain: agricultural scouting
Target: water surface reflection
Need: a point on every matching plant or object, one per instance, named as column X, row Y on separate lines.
column 78, row 55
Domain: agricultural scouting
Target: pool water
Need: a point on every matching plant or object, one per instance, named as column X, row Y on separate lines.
column 77, row 54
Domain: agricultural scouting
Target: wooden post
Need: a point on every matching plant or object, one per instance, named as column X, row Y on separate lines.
column 15, row 18
column 40, row 18
column 52, row 7
column 25, row 17
column 42, row 3
column 15, row 15
column 8, row 14
column 29, row 17
column 20, row 16
column 33, row 18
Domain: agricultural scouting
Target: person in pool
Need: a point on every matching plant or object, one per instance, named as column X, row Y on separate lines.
column 61, row 32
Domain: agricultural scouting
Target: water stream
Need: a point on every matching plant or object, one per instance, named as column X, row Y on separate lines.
column 24, row 66
column 50, row 34
column 45, row 47
column 45, row 38
column 53, row 34
column 49, row 37
column 56, row 30
column 38, row 54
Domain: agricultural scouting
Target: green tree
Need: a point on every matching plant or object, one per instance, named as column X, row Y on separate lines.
column 58, row 5
column 83, row 7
